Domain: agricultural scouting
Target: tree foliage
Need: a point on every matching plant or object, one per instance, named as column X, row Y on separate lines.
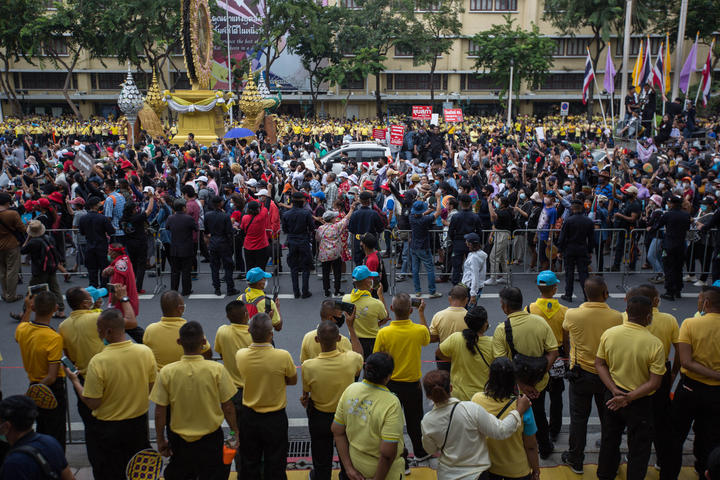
column 278, row 18
column 14, row 39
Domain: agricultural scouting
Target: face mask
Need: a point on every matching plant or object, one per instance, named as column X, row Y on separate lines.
column 661, row 185
column 105, row 342
column 350, row 197
column 522, row 196
column 340, row 321
column 437, row 182
column 703, row 207
column 681, row 169
column 496, row 204
column 109, row 258
column 566, row 188
column 631, row 164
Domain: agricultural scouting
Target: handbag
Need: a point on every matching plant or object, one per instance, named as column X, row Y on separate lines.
column 528, row 370
column 452, row 412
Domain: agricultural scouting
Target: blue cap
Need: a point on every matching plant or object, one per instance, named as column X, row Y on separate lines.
column 716, row 283
column 256, row 274
column 472, row 237
column 547, row 278
column 319, row 194
column 96, row 293
column 551, row 193
column 361, row 272
column 418, row 207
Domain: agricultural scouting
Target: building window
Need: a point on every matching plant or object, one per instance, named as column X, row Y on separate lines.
column 351, row 4
column 427, row 6
column 559, row 47
column 473, row 49
column 353, row 84
column 493, row 5
column 180, row 80
column 472, row 81
column 55, row 46
column 635, row 45
column 563, row 81
column 46, row 80
column 416, row 81
column 108, row 81
column 576, row 47
column 402, row 51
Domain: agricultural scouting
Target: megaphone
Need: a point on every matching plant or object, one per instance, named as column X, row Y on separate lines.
column 96, row 293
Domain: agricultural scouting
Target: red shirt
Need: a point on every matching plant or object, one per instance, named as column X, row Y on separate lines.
column 256, row 235
column 373, row 262
column 124, row 274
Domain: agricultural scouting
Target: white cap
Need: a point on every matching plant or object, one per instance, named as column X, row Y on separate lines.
column 252, row 182
column 263, row 193
column 202, row 178
column 343, row 174
column 149, row 189
column 353, row 178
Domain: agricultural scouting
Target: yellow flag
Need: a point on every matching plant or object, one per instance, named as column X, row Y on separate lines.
column 666, row 80
column 637, row 68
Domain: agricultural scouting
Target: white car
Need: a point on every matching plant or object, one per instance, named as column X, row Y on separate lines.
column 358, row 151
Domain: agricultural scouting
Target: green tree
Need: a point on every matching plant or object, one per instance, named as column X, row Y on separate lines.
column 357, row 67
column 504, row 45
column 701, row 19
column 14, row 41
column 278, row 17
column 432, row 33
column 313, row 40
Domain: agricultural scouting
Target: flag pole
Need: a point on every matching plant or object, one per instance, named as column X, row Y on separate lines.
column 229, row 68
column 626, row 57
column 700, row 86
column 602, row 109
column 679, row 46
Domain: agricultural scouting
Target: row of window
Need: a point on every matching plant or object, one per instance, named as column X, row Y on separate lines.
column 111, row 81
column 468, row 82
column 475, row 5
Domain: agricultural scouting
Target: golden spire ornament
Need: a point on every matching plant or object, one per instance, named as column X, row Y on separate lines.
column 153, row 98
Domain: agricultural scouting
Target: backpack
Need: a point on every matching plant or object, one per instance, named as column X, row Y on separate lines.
column 51, row 256
column 45, row 467
column 252, row 308
column 528, row 370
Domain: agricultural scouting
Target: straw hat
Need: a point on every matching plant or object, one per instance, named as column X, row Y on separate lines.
column 36, row 228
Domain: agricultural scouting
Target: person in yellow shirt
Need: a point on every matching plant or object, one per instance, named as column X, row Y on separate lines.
column 370, row 312
column 41, row 348
column 368, row 424
column 324, row 379
column 194, row 441
column 255, row 297
column 329, row 311
column 553, row 313
column 584, row 326
column 403, row 340
column 630, row 362
column 696, row 401
column 532, row 336
column 450, row 320
column 116, row 388
column 266, row 371
column 162, row 337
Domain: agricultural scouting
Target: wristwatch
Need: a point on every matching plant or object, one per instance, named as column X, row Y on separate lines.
column 125, row 299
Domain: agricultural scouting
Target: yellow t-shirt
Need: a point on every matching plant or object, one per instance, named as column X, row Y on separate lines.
column 404, row 340
column 664, row 326
column 264, row 369
column 121, row 376
column 40, row 346
column 368, row 311
column 80, row 337
column 532, row 336
column 371, row 414
column 162, row 339
column 253, row 293
column 468, row 371
column 507, row 457
column 631, row 353
column 311, row 349
column 585, row 325
column 703, row 335
column 228, row 340
column 553, row 313
column 194, row 388
column 328, row 375
column 446, row 322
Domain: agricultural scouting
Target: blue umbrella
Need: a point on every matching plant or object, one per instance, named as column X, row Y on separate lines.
column 239, row 133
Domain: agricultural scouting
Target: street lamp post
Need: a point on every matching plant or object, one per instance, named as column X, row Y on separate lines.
column 130, row 102
column 509, row 112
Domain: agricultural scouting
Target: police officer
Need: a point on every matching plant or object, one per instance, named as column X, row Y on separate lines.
column 364, row 220
column 298, row 225
column 218, row 235
column 576, row 243
column 96, row 228
column 462, row 223
column 677, row 223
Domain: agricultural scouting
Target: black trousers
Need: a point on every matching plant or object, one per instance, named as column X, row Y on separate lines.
column 322, row 441
column 580, row 262
column 111, row 444
column 96, row 261
column 264, row 444
column 299, row 259
column 51, row 421
column 695, row 404
column 237, row 401
column 335, row 266
column 411, row 399
column 198, row 460
column 138, row 258
column 638, row 418
column 672, row 267
column 368, row 345
column 555, row 389
column 662, row 418
column 543, row 429
column 458, row 257
column 221, row 257
column 584, row 388
column 180, row 267
column 257, row 258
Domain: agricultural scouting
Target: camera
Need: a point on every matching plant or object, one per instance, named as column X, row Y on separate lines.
column 415, row 302
column 40, row 287
column 346, row 307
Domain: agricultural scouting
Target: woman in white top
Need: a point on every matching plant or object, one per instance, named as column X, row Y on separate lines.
column 474, row 267
column 458, row 430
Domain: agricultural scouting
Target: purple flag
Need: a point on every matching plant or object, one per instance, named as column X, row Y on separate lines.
column 688, row 68
column 609, row 82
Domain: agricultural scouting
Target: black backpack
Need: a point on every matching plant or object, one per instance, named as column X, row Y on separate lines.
column 45, row 467
column 51, row 256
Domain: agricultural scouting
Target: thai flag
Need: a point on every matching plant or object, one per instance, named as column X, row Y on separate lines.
column 707, row 76
column 658, row 72
column 589, row 77
column 646, row 72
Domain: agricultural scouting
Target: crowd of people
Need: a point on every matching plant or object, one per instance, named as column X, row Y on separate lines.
column 467, row 202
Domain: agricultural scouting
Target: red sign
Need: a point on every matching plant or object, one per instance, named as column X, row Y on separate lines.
column 421, row 112
column 453, row 115
column 397, row 133
column 379, row 133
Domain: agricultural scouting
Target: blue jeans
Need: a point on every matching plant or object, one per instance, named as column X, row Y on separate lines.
column 406, row 260
column 655, row 255
column 424, row 257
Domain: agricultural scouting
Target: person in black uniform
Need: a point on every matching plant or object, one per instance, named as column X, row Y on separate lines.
column 299, row 226
column 462, row 223
column 576, row 243
column 677, row 223
column 96, row 228
column 219, row 236
column 364, row 220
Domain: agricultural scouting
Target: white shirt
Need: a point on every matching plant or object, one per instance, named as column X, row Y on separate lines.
column 465, row 455
column 474, row 271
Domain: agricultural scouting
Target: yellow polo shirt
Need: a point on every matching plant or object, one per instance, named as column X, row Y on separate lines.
column 228, row 340
column 631, row 353
column 253, row 293
column 586, row 324
column 469, row 371
column 40, row 346
column 264, row 369
column 311, row 349
column 194, row 388
column 532, row 336
column 371, row 414
column 553, row 313
column 368, row 311
column 446, row 322
column 121, row 376
column 80, row 337
column 664, row 326
column 162, row 339
column 328, row 375
column 403, row 340
column 703, row 335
